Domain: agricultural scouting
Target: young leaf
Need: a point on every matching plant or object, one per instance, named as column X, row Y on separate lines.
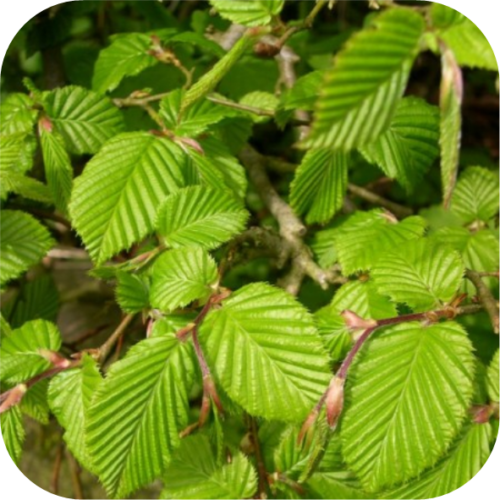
column 13, row 433
column 369, row 75
column 248, row 13
column 17, row 152
column 266, row 352
column 465, row 39
column 200, row 216
column 24, row 242
column 261, row 100
column 21, row 351
column 181, row 276
column 367, row 236
column 476, row 195
column 194, row 473
column 319, row 186
column 492, row 375
column 424, row 276
column 132, row 292
column 172, row 323
column 137, row 413
column 463, row 462
column 70, row 394
column 336, row 484
column 58, row 169
column 17, row 115
column 11, row 181
column 34, row 402
column 115, row 201
column 85, row 119
column 407, row 396
column 126, row 56
column 407, row 149
column 304, row 93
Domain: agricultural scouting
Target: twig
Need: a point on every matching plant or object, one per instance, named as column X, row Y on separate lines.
column 243, row 107
column 486, row 298
column 108, row 345
column 74, row 469
column 261, row 468
column 68, row 254
column 54, row 480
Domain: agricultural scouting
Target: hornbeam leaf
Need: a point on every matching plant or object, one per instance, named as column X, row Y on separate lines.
column 476, row 195
column 181, row 276
column 70, row 394
column 17, row 115
column 34, row 402
column 463, row 462
column 132, row 292
column 85, row 119
column 24, row 242
column 11, row 181
column 424, row 276
column 20, row 351
column 248, row 13
column 17, row 152
column 492, row 374
column 407, row 396
column 115, row 201
column 13, row 433
column 407, row 149
column 266, row 353
column 319, row 186
column 137, row 413
column 369, row 75
column 200, row 216
column 58, row 169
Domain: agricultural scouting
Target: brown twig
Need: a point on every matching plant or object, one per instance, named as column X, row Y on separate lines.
column 261, row 468
column 74, row 469
column 105, row 348
column 486, row 298
column 54, row 480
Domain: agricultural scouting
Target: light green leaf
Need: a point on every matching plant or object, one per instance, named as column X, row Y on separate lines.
column 492, row 375
column 70, row 394
column 85, row 119
column 465, row 39
column 24, row 242
column 319, row 186
column 304, row 93
column 248, row 13
column 260, row 100
column 181, row 276
column 17, row 152
column 407, row 396
column 34, row 402
column 115, row 201
column 194, row 473
column 360, row 297
column 172, row 323
column 369, row 75
column 126, row 56
column 20, row 351
column 424, row 276
column 407, row 149
column 367, row 236
column 132, row 292
column 13, row 433
column 201, row 169
column 463, row 462
column 200, row 216
column 11, row 181
column 336, row 484
column 5, row 329
column 476, row 195
column 137, row 413
column 266, row 353
column 17, row 115
column 58, row 169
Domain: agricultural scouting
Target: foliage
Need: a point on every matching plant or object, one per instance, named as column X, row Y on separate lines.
column 296, row 221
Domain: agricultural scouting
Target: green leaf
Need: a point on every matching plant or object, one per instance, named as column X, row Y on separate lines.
column 407, row 396
column 492, row 375
column 17, row 152
column 85, row 119
column 126, row 56
column 336, row 484
column 463, row 462
column 304, row 93
column 137, row 413
column 424, row 276
column 13, row 432
column 248, row 13
column 11, row 181
column 194, row 473
column 260, row 100
column 476, row 195
column 319, row 186
column 465, row 39
column 132, row 292
column 367, row 236
column 70, row 395
column 200, row 216
column 58, row 169
column 181, row 276
column 34, row 402
column 115, row 201
column 20, row 351
column 17, row 115
column 407, row 149
column 266, row 352
column 172, row 323
column 369, row 75
column 24, row 242
column 5, row 329
column 360, row 297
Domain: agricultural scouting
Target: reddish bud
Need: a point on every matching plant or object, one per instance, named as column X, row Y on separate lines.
column 306, row 427
column 54, row 358
column 355, row 322
column 14, row 397
column 45, row 124
column 334, row 401
column 481, row 414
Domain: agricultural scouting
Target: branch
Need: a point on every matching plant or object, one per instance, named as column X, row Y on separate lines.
column 261, row 468
column 486, row 298
column 104, row 350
